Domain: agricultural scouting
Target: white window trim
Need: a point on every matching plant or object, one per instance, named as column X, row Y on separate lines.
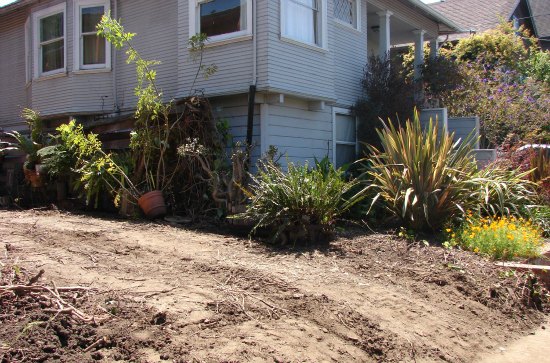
column 194, row 24
column 36, row 17
column 77, row 39
column 341, row 111
column 357, row 18
column 324, row 30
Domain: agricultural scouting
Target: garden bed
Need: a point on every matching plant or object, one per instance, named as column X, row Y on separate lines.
column 175, row 294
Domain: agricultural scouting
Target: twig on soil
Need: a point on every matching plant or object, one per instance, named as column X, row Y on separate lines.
column 238, row 299
column 51, row 297
column 23, row 289
column 35, row 278
column 154, row 293
column 97, row 344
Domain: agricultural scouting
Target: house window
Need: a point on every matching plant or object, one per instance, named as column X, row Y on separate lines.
column 49, row 35
column 345, row 137
column 346, row 12
column 91, row 51
column 301, row 20
column 220, row 19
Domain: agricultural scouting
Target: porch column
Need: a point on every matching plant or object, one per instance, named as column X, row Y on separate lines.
column 434, row 52
column 384, row 34
column 418, row 53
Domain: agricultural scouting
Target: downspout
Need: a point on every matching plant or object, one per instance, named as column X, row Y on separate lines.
column 113, row 61
column 254, row 44
column 252, row 88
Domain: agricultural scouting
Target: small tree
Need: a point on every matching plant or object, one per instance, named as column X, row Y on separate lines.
column 387, row 93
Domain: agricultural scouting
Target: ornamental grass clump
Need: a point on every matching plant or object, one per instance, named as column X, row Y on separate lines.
column 503, row 192
column 421, row 176
column 301, row 203
column 502, row 238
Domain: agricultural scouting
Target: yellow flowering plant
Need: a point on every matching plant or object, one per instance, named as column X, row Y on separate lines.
column 502, row 238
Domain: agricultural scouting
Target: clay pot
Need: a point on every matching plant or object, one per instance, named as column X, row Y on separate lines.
column 152, row 204
column 33, row 178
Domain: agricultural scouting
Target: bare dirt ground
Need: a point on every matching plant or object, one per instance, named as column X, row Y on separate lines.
column 164, row 293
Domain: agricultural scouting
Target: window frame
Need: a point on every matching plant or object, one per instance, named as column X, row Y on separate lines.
column 37, row 48
column 357, row 16
column 78, row 48
column 345, row 112
column 321, row 24
column 194, row 24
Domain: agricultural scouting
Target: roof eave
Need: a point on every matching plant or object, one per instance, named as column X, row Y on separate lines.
column 15, row 5
column 446, row 25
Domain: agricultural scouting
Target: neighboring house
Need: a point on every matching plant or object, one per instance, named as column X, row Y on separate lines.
column 305, row 57
column 540, row 12
column 477, row 16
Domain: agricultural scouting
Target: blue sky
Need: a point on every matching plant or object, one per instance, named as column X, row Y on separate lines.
column 5, row 2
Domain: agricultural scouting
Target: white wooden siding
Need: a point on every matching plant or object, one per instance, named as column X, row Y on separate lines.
column 350, row 57
column 234, row 62
column 235, row 110
column 13, row 93
column 155, row 23
column 294, row 68
column 300, row 134
column 71, row 93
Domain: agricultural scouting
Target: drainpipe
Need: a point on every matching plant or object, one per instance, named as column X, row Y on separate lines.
column 113, row 63
column 252, row 88
column 254, row 43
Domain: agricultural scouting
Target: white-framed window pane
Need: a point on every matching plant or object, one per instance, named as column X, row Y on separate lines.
column 310, row 3
column 51, row 27
column 300, row 20
column 53, row 56
column 91, row 16
column 344, row 10
column 345, row 154
column 93, row 49
column 219, row 17
column 345, row 128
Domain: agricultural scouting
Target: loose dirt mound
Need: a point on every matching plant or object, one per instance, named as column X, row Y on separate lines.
column 160, row 293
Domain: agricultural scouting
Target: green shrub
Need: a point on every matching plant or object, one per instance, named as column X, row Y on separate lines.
column 301, row 203
column 421, row 177
column 500, row 238
column 96, row 170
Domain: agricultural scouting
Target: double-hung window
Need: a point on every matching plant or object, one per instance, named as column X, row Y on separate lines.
column 50, row 41
column 347, row 12
column 345, row 137
column 91, row 51
column 220, row 19
column 303, row 21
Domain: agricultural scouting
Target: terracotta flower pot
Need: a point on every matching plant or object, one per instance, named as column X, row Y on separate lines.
column 33, row 178
column 152, row 204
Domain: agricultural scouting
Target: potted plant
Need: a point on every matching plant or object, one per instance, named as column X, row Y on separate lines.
column 26, row 145
column 155, row 137
column 29, row 146
column 60, row 159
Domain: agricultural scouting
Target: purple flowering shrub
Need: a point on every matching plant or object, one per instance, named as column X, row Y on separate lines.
column 497, row 75
column 511, row 108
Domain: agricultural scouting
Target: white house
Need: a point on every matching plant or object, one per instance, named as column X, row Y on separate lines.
column 304, row 57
